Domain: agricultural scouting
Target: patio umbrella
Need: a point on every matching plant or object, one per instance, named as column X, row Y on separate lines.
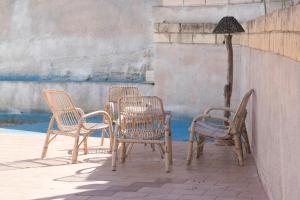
column 228, row 25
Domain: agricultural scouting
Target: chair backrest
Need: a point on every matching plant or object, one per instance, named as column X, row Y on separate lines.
column 141, row 117
column 64, row 111
column 241, row 113
column 116, row 92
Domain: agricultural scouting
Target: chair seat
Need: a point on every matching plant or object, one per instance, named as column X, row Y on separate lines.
column 95, row 126
column 211, row 130
column 146, row 134
column 72, row 130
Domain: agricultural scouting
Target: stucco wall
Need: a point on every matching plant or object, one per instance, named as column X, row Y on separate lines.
column 92, row 41
column 26, row 96
column 274, row 120
column 75, row 40
column 270, row 64
column 190, row 78
column 79, row 46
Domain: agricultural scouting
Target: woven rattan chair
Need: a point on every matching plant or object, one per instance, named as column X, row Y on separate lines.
column 206, row 125
column 114, row 94
column 142, row 120
column 71, row 121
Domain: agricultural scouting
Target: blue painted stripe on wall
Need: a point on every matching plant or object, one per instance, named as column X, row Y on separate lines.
column 37, row 78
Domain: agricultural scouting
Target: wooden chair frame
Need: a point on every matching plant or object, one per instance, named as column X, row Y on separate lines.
column 114, row 94
column 236, row 130
column 140, row 121
column 71, row 121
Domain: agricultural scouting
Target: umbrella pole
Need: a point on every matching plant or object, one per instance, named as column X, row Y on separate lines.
column 228, row 86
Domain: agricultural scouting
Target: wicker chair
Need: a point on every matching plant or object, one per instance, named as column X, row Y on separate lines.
column 114, row 94
column 142, row 120
column 206, row 125
column 71, row 121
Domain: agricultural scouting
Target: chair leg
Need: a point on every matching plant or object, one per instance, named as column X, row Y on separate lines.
column 190, row 148
column 75, row 150
column 161, row 150
column 171, row 148
column 129, row 149
column 111, row 139
column 167, row 153
column 85, row 145
column 200, row 145
column 245, row 136
column 102, row 137
column 123, row 152
column 45, row 148
column 238, row 149
column 114, row 154
column 152, row 147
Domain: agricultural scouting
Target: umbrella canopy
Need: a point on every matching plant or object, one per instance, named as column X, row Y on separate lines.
column 228, row 25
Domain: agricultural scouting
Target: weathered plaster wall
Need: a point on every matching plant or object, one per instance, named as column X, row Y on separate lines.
column 190, row 78
column 270, row 64
column 76, row 45
column 274, row 120
column 95, row 40
column 26, row 96
column 75, row 39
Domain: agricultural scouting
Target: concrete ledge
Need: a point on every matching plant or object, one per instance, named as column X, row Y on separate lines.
column 210, row 13
column 205, row 2
column 189, row 33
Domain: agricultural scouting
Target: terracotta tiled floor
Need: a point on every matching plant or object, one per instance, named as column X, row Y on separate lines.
column 215, row 176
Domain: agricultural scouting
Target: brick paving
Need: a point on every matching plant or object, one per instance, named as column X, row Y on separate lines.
column 215, row 176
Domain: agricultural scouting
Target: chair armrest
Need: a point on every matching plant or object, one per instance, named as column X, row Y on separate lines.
column 206, row 116
column 168, row 116
column 207, row 111
column 109, row 107
column 80, row 111
column 116, row 130
column 97, row 113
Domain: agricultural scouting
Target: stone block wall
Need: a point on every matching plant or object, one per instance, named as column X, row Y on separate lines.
column 204, row 2
column 210, row 13
column 278, row 32
column 188, row 33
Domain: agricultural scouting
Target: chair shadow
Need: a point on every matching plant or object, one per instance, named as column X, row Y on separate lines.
column 108, row 189
column 110, row 182
column 34, row 163
column 51, row 162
